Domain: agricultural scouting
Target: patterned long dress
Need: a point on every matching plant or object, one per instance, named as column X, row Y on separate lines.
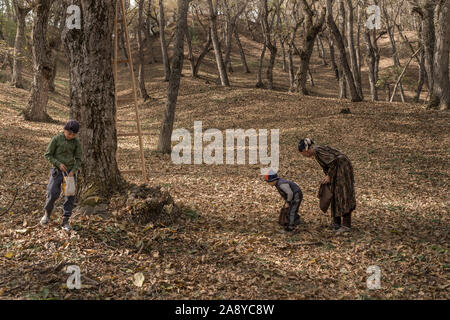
column 340, row 170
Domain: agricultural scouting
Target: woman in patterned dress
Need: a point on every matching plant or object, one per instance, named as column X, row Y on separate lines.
column 339, row 174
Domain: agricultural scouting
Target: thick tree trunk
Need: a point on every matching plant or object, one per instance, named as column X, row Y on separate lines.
column 141, row 73
column 91, row 86
column 164, row 143
column 354, row 96
column 42, row 65
column 216, row 44
column 312, row 30
column 429, row 40
column 21, row 13
column 440, row 96
column 162, row 38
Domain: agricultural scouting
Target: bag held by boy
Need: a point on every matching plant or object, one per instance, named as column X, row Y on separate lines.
column 283, row 218
column 69, row 186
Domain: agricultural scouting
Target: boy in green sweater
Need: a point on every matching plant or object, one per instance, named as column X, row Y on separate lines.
column 64, row 153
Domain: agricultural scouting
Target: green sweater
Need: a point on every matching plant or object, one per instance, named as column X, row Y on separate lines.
column 68, row 152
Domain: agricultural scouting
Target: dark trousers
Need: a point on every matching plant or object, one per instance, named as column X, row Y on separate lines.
column 294, row 205
column 53, row 192
column 346, row 220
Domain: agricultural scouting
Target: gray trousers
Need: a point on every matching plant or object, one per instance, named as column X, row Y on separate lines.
column 53, row 192
column 293, row 208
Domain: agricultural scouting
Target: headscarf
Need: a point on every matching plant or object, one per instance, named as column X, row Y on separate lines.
column 304, row 144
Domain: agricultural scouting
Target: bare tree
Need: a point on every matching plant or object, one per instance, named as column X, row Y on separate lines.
column 90, row 51
column 162, row 38
column 21, row 12
column 387, row 18
column 196, row 62
column 373, row 58
column 312, row 29
column 42, row 64
column 269, row 41
column 141, row 73
column 216, row 44
column 148, row 30
column 440, row 96
column 164, row 143
column 351, row 46
column 232, row 17
column 436, row 48
column 354, row 96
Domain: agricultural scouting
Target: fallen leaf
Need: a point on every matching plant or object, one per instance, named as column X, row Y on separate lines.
column 138, row 279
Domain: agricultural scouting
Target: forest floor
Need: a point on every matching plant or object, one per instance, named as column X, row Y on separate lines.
column 227, row 243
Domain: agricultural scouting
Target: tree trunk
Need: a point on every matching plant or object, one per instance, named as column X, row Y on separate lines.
column 148, row 34
column 204, row 52
column 228, row 34
column 51, row 85
column 283, row 53
column 241, row 51
column 269, row 72
column 390, row 32
column 91, row 85
column 440, row 96
column 351, row 47
column 322, row 50
column 162, row 38
column 332, row 57
column 312, row 30
column 259, row 82
column 141, row 73
column 42, row 65
column 21, row 13
column 190, row 53
column 164, row 143
column 271, row 45
column 216, row 44
column 291, row 68
column 373, row 57
column 422, row 76
column 354, row 96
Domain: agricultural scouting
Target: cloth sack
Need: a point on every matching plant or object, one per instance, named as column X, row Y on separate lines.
column 283, row 218
column 324, row 196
